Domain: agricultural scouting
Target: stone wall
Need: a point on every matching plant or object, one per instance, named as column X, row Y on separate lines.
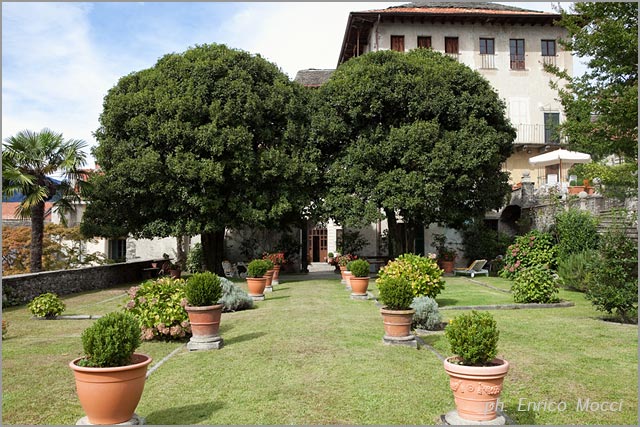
column 22, row 288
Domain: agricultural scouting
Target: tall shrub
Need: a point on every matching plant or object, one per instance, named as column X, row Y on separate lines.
column 577, row 268
column 575, row 231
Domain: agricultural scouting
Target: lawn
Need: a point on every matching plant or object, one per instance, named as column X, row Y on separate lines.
column 310, row 355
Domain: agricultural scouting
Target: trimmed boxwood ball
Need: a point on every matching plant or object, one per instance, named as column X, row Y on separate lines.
column 270, row 265
column 203, row 289
column 46, row 305
column 395, row 293
column 257, row 268
column 474, row 338
column 359, row 268
column 110, row 341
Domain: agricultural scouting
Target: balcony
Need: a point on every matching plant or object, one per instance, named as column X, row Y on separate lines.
column 535, row 134
column 488, row 61
column 549, row 60
column 517, row 62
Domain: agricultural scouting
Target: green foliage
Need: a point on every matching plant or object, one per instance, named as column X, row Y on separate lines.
column 111, row 340
column 344, row 260
column 533, row 249
column 217, row 136
column 46, row 305
column 481, row 242
column 474, row 338
column 268, row 263
column 203, row 289
column 351, row 242
column 195, row 259
column 613, row 287
column 427, row 315
column 577, row 268
column 330, row 255
column 575, row 231
column 395, row 293
column 535, row 284
column 159, row 307
column 389, row 125
column 601, row 106
column 443, row 252
column 422, row 273
column 233, row 297
column 618, row 181
column 257, row 268
column 359, row 268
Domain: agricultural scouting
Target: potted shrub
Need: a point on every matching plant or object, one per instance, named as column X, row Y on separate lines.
column 396, row 295
column 46, row 306
column 330, row 258
column 256, row 282
column 277, row 258
column 476, row 375
column 422, row 273
column 359, row 279
column 110, row 376
column 203, row 292
column 446, row 256
column 175, row 271
column 269, row 275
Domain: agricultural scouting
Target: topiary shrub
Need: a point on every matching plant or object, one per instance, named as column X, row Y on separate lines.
column 395, row 293
column 535, row 284
column 110, row 341
column 195, row 259
column 575, row 231
column 576, row 269
column 359, row 268
column 427, row 315
column 203, row 289
column 613, row 287
column 473, row 337
column 422, row 273
column 257, row 268
column 533, row 249
column 159, row 307
column 233, row 297
column 47, row 305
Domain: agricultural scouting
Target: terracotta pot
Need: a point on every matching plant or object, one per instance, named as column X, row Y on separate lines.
column 276, row 274
column 205, row 321
column 476, row 389
column 447, row 266
column 575, row 189
column 343, row 268
column 256, row 285
column 358, row 285
column 175, row 274
column 397, row 323
column 347, row 277
column 269, row 277
column 110, row 395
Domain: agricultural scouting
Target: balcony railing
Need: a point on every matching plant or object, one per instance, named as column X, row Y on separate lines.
column 517, row 62
column 453, row 55
column 488, row 61
column 549, row 60
column 536, row 134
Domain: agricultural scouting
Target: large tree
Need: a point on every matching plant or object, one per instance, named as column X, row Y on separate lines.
column 28, row 160
column 601, row 106
column 413, row 137
column 206, row 140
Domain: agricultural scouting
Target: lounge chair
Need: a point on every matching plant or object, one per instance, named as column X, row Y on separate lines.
column 476, row 267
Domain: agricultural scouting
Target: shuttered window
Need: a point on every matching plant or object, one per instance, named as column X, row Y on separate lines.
column 424, row 41
column 397, row 43
column 451, row 45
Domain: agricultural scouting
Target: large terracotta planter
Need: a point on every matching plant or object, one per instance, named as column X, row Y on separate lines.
column 205, row 321
column 276, row 275
column 476, row 389
column 448, row 266
column 269, row 276
column 397, row 323
column 359, row 285
column 256, row 287
column 110, row 395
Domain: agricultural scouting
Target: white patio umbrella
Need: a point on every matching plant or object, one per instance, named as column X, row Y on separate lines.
column 558, row 157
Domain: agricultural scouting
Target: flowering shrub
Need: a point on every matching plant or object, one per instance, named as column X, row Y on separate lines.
column 46, row 305
column 159, row 306
column 423, row 274
column 345, row 259
column 532, row 249
column 277, row 258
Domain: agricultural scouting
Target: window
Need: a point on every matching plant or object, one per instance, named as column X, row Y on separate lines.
column 397, row 43
column 548, row 48
column 424, row 41
column 487, row 47
column 451, row 45
column 551, row 122
column 516, row 50
column 117, row 249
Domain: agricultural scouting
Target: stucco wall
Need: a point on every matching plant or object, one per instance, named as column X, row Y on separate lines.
column 22, row 288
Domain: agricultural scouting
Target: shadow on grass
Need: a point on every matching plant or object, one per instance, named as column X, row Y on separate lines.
column 269, row 298
column 443, row 302
column 278, row 288
column 244, row 337
column 184, row 415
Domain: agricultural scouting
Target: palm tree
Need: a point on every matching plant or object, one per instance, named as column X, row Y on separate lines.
column 27, row 160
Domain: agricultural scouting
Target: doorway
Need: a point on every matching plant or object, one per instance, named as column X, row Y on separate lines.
column 317, row 245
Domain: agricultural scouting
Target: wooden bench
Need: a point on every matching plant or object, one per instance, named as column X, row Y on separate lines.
column 150, row 273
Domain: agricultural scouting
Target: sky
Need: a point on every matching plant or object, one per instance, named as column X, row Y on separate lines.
column 60, row 59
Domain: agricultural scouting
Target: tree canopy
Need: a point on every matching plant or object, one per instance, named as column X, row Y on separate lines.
column 601, row 106
column 414, row 135
column 208, row 139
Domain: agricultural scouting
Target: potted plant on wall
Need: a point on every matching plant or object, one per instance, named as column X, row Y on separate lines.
column 256, row 282
column 203, row 292
column 110, row 376
column 476, row 375
column 396, row 296
column 359, row 280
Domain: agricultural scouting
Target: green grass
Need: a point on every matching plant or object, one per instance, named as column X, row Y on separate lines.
column 310, row 355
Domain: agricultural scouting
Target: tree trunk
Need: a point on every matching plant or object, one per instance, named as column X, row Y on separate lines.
column 181, row 251
column 213, row 251
column 395, row 243
column 37, row 234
